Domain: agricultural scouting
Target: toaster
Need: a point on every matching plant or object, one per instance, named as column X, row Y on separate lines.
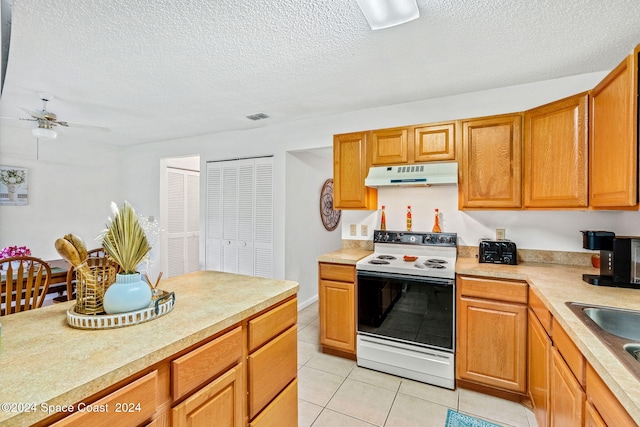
column 498, row 252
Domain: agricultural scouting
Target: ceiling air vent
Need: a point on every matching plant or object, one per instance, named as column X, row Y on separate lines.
column 258, row 116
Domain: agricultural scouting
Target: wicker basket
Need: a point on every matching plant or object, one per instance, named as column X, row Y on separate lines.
column 91, row 283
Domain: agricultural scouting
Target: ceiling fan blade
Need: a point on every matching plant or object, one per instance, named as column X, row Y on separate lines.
column 83, row 126
column 35, row 114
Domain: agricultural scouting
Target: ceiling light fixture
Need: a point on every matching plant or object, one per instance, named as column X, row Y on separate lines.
column 44, row 133
column 387, row 13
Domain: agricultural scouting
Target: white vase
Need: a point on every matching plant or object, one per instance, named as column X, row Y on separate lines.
column 12, row 189
column 128, row 293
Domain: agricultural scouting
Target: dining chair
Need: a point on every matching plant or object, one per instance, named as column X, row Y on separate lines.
column 95, row 258
column 25, row 281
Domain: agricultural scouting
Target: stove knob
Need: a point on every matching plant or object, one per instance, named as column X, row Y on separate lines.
column 427, row 238
column 442, row 239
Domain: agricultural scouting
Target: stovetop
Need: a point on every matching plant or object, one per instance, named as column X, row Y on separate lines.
column 415, row 253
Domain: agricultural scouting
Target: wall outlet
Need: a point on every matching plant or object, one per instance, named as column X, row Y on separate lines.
column 364, row 230
column 353, row 229
column 500, row 234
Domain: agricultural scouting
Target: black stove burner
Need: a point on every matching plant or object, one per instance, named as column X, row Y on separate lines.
column 435, row 261
column 389, row 257
column 437, row 266
column 379, row 261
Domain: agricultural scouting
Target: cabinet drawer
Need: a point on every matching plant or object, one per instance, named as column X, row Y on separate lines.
column 570, row 353
column 271, row 323
column 500, row 290
column 605, row 402
column 129, row 405
column 283, row 411
column 271, row 368
column 541, row 311
column 201, row 365
column 338, row 272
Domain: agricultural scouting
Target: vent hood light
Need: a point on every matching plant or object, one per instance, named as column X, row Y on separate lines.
column 413, row 175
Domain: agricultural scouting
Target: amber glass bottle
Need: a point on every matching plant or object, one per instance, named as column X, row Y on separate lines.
column 408, row 218
column 436, row 223
column 383, row 220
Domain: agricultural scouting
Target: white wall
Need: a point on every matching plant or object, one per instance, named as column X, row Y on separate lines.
column 306, row 172
column 71, row 185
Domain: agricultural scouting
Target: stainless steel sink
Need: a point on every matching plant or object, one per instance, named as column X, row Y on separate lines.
column 617, row 328
column 622, row 323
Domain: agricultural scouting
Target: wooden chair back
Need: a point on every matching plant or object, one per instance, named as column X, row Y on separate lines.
column 25, row 285
column 95, row 258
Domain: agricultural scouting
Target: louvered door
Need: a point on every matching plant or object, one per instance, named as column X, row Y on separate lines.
column 182, row 221
column 240, row 216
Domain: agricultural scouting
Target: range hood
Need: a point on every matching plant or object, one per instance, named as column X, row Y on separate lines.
column 436, row 173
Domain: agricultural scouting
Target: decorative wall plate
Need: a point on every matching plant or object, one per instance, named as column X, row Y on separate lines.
column 330, row 217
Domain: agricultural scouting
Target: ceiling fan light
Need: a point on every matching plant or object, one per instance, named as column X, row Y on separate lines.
column 387, row 13
column 44, row 133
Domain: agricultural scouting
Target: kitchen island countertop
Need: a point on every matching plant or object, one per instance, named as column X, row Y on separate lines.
column 557, row 284
column 44, row 362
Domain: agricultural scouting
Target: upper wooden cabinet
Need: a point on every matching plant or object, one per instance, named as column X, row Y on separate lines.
column 613, row 138
column 491, row 175
column 434, row 142
column 350, row 168
column 390, row 146
column 413, row 144
column 555, row 154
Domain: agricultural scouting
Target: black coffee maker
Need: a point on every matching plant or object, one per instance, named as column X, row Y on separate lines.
column 602, row 241
column 619, row 259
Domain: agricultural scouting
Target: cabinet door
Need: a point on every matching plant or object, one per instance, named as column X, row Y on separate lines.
column 492, row 343
column 566, row 403
column 613, row 138
column 591, row 416
column 606, row 406
column 491, row 162
column 539, row 361
column 555, row 154
column 219, row 403
column 337, row 315
column 350, row 168
column 434, row 142
column 390, row 146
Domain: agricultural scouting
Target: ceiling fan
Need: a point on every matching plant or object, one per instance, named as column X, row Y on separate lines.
column 47, row 121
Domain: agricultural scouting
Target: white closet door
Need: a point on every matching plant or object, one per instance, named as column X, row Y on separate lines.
column 176, row 187
column 240, row 216
column 263, row 240
column 183, row 233
column 245, row 213
column 213, row 244
column 230, row 218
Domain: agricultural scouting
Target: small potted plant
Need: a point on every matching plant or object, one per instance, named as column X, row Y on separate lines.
column 126, row 243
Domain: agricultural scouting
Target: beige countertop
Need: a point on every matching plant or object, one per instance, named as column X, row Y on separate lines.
column 344, row 256
column 557, row 284
column 44, row 361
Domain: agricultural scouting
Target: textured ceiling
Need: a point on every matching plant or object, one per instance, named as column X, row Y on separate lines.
column 154, row 70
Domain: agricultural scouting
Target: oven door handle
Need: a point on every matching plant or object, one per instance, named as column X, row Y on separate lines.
column 424, row 279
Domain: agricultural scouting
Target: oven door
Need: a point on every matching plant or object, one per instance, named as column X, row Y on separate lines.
column 411, row 309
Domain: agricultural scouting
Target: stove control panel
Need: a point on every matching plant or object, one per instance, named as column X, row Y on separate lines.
column 414, row 238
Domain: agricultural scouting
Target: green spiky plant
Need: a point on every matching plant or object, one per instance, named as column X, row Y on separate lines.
column 124, row 240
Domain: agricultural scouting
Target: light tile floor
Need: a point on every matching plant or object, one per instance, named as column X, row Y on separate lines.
column 334, row 392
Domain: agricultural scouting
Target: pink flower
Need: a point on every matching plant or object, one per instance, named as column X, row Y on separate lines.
column 12, row 251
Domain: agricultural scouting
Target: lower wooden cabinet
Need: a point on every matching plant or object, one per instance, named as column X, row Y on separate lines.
column 283, row 411
column 337, row 302
column 566, row 404
column 603, row 405
column 219, row 403
column 539, row 361
column 492, row 334
column 245, row 375
column 591, row 417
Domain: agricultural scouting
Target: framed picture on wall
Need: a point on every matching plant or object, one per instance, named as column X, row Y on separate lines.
column 13, row 186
